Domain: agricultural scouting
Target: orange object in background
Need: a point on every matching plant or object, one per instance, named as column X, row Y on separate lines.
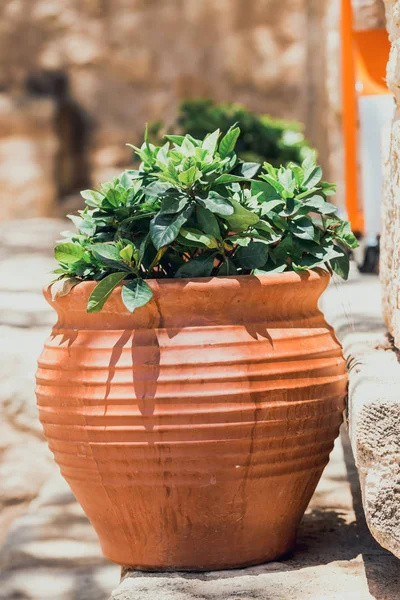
column 364, row 58
column 371, row 56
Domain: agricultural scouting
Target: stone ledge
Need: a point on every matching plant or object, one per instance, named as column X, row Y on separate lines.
column 374, row 425
column 373, row 411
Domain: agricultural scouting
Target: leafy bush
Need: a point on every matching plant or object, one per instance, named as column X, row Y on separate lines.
column 193, row 209
column 262, row 138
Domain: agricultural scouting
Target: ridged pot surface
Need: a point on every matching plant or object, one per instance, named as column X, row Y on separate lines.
column 194, row 432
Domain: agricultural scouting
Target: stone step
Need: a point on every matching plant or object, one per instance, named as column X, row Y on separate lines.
column 336, row 557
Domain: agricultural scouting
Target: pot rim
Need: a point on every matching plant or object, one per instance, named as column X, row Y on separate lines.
column 285, row 277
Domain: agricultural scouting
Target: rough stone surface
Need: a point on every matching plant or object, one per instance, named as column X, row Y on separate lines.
column 390, row 239
column 52, row 552
column 105, row 68
column 373, row 403
column 368, row 14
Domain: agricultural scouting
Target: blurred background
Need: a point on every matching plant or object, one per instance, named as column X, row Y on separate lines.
column 78, row 80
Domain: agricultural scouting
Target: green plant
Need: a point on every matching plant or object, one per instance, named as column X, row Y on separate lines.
column 262, row 137
column 192, row 209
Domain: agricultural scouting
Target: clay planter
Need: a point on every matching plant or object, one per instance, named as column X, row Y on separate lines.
column 193, row 432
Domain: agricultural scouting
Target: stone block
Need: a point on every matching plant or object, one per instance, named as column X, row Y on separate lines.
column 368, row 14
column 373, row 411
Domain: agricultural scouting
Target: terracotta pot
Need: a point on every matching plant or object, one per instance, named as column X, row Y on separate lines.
column 193, row 432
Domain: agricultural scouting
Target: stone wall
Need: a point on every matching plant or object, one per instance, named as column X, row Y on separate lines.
column 390, row 240
column 368, row 14
column 28, row 148
column 107, row 67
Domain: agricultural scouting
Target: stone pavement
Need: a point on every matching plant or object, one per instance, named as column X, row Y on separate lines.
column 25, row 319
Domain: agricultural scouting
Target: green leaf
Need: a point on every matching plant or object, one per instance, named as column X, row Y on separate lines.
column 306, row 193
column 273, row 182
column 136, row 294
column 86, row 224
column 189, row 176
column 114, row 195
column 312, row 177
column 164, row 229
column 217, row 204
column 309, row 162
column 126, row 180
column 271, row 267
column 103, row 291
column 227, row 178
column 173, row 203
column 92, row 198
column 341, row 266
column 107, row 251
column 306, row 262
column 277, row 221
column 265, row 191
column 175, row 139
column 283, row 250
column 188, row 147
column 201, row 239
column 126, row 253
column 292, row 207
column 228, row 142
column 157, row 188
column 332, row 252
column 312, row 248
column 162, row 156
column 287, row 180
column 108, row 254
column 208, row 222
column 241, row 218
column 143, row 247
column 298, row 174
column 303, row 228
column 239, row 240
column 211, row 141
column 227, row 268
column 320, row 205
column 249, row 169
column 270, row 170
column 201, row 266
column 188, row 162
column 344, row 234
column 253, row 256
column 267, row 207
column 329, row 189
column 68, row 253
